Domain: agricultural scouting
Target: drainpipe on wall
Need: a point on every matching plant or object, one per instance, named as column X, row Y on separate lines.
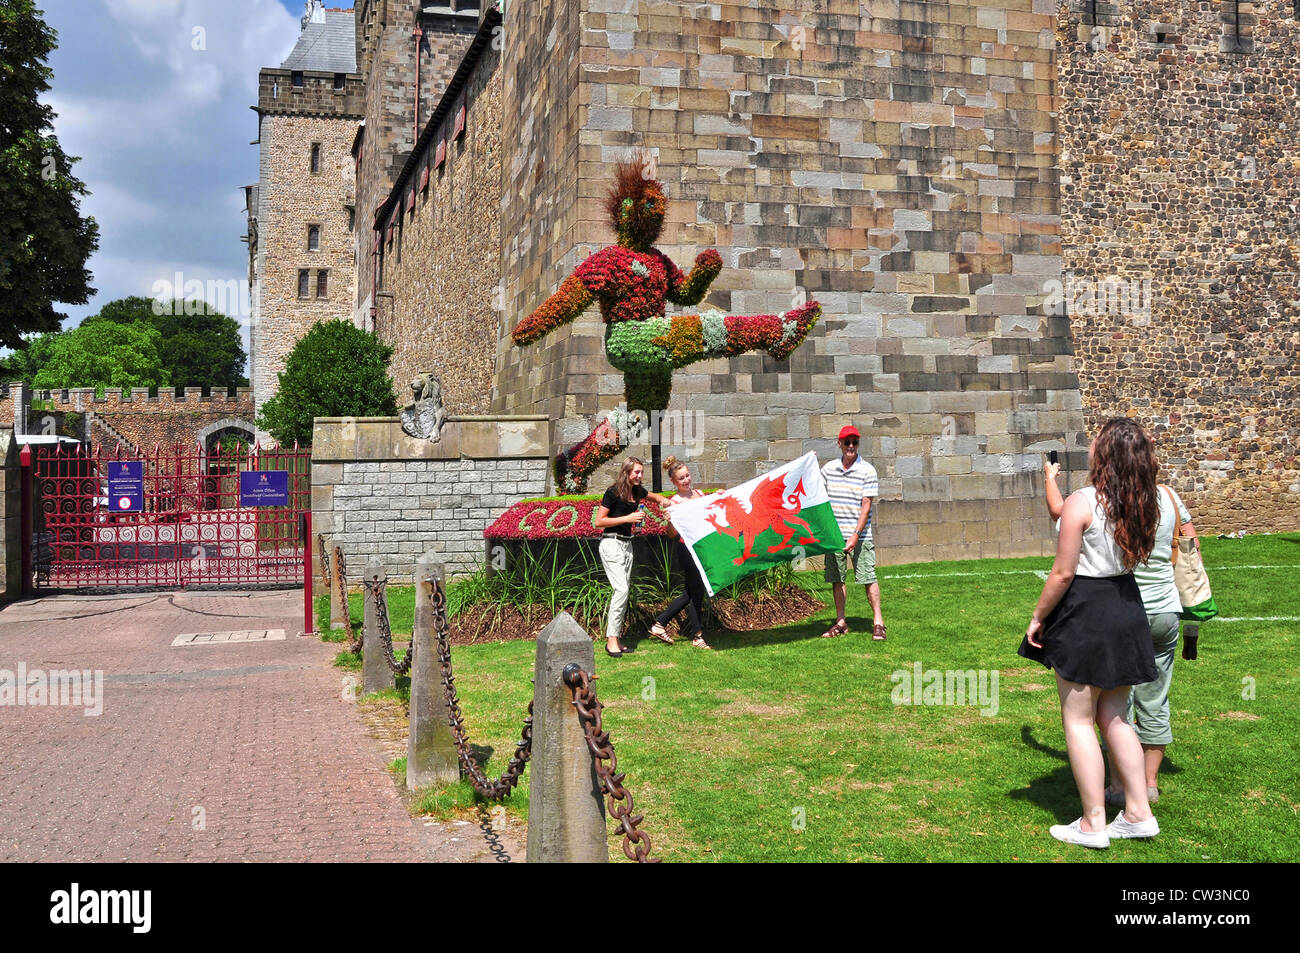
column 419, row 35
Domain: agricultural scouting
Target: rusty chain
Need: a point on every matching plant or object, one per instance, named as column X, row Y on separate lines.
column 636, row 842
column 325, row 573
column 340, row 580
column 377, row 589
column 492, row 790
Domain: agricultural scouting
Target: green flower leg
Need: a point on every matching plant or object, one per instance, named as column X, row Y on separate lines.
column 647, row 381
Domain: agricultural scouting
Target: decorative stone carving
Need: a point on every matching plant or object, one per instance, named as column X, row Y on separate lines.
column 426, row 416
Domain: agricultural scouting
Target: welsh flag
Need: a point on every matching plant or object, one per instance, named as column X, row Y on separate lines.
column 776, row 518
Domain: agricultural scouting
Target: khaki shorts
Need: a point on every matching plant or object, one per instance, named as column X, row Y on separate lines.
column 864, row 564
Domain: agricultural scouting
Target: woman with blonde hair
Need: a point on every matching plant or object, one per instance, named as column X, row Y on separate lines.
column 692, row 598
column 1090, row 627
column 620, row 509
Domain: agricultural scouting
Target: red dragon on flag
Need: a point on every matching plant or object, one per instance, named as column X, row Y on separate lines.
column 766, row 510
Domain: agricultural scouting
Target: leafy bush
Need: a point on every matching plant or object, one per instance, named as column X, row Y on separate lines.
column 336, row 370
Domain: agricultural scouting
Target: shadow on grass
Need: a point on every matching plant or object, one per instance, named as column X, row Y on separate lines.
column 1056, row 793
column 726, row 640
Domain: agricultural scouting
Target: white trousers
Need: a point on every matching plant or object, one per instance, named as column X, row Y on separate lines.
column 616, row 556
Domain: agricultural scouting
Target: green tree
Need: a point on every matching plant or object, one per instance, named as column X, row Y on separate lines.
column 100, row 353
column 23, row 364
column 199, row 346
column 44, row 240
column 335, row 370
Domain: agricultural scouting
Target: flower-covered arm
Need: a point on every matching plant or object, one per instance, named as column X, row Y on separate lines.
column 692, row 288
column 570, row 300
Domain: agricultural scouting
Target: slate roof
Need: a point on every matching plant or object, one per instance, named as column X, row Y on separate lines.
column 328, row 47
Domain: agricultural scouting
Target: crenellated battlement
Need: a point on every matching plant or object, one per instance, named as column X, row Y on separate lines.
column 85, row 398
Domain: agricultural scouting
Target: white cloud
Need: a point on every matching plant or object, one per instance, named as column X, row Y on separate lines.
column 163, row 130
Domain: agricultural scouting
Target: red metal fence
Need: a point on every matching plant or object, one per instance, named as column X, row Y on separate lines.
column 192, row 529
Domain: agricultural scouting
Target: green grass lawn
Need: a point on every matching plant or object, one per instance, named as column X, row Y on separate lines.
column 727, row 751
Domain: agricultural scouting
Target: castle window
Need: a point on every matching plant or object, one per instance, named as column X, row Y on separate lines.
column 313, row 238
column 296, row 76
column 1238, row 20
column 322, row 283
column 304, row 283
column 339, row 80
column 315, row 158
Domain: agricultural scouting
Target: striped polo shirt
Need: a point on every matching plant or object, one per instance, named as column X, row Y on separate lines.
column 847, row 489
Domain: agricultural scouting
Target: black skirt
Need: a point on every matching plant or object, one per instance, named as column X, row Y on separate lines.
column 1098, row 634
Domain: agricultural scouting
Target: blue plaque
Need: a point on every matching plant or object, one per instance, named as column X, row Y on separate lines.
column 264, row 488
column 126, row 486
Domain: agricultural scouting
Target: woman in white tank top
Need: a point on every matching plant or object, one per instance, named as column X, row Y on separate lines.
column 1091, row 629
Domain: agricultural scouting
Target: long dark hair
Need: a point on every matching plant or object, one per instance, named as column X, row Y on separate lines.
column 1124, row 473
column 623, row 485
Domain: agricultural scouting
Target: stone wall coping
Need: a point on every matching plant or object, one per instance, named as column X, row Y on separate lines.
column 356, row 439
column 472, row 418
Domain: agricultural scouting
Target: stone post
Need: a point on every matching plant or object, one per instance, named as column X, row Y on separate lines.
column 338, row 604
column 375, row 673
column 430, row 748
column 11, row 502
column 566, row 815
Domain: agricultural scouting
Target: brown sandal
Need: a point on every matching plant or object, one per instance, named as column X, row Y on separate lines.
column 878, row 633
column 839, row 628
column 662, row 635
column 699, row 643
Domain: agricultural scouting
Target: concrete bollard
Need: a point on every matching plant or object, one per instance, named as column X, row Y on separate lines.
column 338, row 605
column 430, row 748
column 566, row 814
column 375, row 673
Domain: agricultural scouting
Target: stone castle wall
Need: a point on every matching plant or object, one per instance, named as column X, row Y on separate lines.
column 1179, row 162
column 379, row 493
column 899, row 168
column 444, row 258
column 136, row 418
column 540, row 122
column 290, row 197
column 386, row 56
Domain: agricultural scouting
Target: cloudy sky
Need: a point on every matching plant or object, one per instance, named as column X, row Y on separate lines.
column 153, row 95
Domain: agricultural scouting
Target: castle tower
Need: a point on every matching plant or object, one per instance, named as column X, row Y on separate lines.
column 302, row 257
column 407, row 51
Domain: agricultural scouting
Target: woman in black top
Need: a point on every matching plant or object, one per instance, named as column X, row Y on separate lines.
column 618, row 512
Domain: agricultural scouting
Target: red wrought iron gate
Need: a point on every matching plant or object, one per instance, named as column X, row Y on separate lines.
column 192, row 529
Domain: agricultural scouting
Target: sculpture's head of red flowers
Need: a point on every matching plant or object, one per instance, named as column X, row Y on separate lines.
column 636, row 205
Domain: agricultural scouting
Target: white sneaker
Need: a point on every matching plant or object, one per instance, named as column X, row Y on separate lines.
column 1074, row 833
column 1124, row 828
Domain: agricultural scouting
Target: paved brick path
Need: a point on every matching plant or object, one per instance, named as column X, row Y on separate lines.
column 226, row 752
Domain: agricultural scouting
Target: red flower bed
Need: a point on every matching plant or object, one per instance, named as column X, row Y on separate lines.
column 567, row 517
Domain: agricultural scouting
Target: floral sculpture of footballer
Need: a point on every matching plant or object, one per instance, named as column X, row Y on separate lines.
column 632, row 281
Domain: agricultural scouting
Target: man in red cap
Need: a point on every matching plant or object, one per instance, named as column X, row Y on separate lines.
column 852, row 485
